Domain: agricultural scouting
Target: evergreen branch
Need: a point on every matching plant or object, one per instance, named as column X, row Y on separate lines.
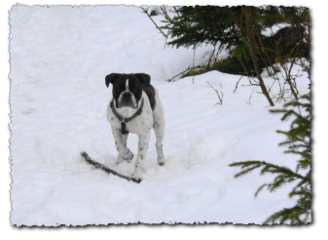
column 260, row 189
column 295, row 189
column 277, row 169
column 239, row 28
column 247, row 171
column 292, row 151
column 176, row 11
column 302, row 192
column 292, row 214
column 289, row 113
column 246, row 164
column 267, row 168
column 285, row 175
column 304, row 163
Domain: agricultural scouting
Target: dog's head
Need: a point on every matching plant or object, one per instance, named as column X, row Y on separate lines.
column 127, row 88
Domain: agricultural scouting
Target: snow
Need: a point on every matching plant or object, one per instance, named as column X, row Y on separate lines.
column 59, row 59
column 274, row 29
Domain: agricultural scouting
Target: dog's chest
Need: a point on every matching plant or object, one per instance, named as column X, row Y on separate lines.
column 139, row 124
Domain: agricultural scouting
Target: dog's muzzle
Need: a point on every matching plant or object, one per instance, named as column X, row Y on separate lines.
column 127, row 99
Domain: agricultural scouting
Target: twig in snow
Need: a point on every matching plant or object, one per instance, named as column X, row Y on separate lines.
column 193, row 64
column 189, row 68
column 220, row 94
column 106, row 169
column 236, row 87
column 249, row 99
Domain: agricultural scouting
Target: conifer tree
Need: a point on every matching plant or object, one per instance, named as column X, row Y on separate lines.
column 192, row 26
column 298, row 142
column 239, row 30
column 199, row 24
column 196, row 25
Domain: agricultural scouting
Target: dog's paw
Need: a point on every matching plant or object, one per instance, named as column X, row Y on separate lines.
column 127, row 155
column 161, row 162
column 137, row 176
column 137, row 180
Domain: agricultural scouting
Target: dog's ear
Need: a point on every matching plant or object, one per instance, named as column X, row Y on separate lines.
column 110, row 78
column 143, row 78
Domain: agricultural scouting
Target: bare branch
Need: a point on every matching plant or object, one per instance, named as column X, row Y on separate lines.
column 164, row 12
column 220, row 94
column 145, row 11
column 189, row 68
column 236, row 87
column 250, row 97
column 106, row 169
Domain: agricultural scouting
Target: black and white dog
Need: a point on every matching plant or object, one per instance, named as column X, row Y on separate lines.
column 135, row 108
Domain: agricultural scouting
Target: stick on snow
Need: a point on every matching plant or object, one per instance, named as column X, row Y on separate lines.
column 106, row 169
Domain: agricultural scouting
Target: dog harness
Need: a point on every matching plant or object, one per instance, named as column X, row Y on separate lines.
column 150, row 91
column 125, row 120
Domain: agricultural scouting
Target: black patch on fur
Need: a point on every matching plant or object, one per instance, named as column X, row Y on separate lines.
column 150, row 91
column 138, row 82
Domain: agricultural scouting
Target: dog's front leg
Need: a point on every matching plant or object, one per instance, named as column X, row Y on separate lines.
column 124, row 154
column 142, row 151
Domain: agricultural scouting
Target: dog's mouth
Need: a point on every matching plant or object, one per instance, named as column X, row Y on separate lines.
column 127, row 99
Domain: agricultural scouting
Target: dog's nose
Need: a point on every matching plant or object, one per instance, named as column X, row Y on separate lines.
column 126, row 97
column 127, row 100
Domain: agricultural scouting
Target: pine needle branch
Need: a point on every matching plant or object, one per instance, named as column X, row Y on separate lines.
column 298, row 142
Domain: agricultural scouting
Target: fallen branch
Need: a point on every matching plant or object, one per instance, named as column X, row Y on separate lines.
column 189, row 68
column 106, row 169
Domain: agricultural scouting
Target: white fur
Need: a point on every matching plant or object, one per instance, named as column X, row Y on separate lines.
column 141, row 125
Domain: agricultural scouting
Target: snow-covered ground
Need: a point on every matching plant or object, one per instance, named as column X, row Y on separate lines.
column 59, row 59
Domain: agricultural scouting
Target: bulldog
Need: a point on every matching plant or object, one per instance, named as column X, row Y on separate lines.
column 135, row 108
